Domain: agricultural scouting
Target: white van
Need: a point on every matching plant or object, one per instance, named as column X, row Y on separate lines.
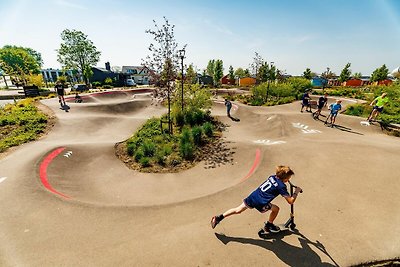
column 130, row 82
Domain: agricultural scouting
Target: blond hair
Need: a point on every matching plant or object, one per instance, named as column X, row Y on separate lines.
column 283, row 172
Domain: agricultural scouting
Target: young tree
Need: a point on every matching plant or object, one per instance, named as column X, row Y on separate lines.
column 240, row 73
column 345, row 74
column 231, row 75
column 380, row 74
column 77, row 52
column 190, row 75
column 357, row 75
column 164, row 59
column 218, row 72
column 307, row 74
column 246, row 73
column 210, row 68
column 258, row 62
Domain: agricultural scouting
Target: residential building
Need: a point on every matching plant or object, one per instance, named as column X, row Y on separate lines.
column 140, row 74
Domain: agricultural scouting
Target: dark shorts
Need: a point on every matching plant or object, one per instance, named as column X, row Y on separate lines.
column 320, row 107
column 60, row 92
column 380, row 109
column 261, row 207
column 334, row 114
column 305, row 103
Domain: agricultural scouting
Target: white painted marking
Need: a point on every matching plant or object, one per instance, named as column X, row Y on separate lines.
column 2, row 179
column 304, row 128
column 310, row 131
column 365, row 123
column 269, row 142
column 68, row 154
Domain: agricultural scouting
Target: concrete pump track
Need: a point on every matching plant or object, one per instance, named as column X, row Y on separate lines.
column 66, row 200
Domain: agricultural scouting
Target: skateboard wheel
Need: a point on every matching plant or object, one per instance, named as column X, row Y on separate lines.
column 261, row 233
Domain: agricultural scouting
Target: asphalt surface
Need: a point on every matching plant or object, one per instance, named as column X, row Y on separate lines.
column 66, row 200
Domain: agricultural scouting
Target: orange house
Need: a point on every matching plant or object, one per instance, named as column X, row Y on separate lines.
column 248, row 81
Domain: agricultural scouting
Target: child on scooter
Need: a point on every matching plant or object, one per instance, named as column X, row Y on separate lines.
column 261, row 198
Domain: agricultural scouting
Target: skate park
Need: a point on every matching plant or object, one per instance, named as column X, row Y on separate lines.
column 66, row 199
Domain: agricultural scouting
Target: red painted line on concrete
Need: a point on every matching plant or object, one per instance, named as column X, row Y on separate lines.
column 43, row 171
column 254, row 167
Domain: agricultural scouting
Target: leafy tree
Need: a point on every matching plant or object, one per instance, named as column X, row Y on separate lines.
column 18, row 62
column 246, row 73
column 357, row 75
column 380, row 74
column 240, row 73
column 307, row 74
column 77, row 52
column 345, row 74
column 164, row 59
column 218, row 72
column 190, row 75
column 258, row 62
column 30, row 51
column 210, row 67
column 231, row 74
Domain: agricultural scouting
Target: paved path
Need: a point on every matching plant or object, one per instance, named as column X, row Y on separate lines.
column 66, row 200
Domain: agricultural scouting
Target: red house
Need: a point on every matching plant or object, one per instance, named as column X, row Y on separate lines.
column 353, row 82
column 226, row 80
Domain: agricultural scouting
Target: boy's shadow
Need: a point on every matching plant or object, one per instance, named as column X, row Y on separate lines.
column 233, row 118
column 290, row 255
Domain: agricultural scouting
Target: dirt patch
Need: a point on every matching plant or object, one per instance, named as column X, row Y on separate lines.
column 215, row 153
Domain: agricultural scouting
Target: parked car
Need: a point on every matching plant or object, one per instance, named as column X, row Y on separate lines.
column 130, row 82
column 81, row 87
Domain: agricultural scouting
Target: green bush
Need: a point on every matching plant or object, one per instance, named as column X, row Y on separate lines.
column 189, row 118
column 108, row 81
column 355, row 110
column 186, row 150
column 179, row 119
column 161, row 157
column 26, row 123
column 139, row 155
column 185, row 135
column 208, row 129
column 96, row 84
column 198, row 116
column 148, row 148
column 197, row 133
column 130, row 149
column 107, row 86
column 145, row 162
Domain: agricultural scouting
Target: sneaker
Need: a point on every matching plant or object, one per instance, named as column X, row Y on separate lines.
column 272, row 228
column 214, row 222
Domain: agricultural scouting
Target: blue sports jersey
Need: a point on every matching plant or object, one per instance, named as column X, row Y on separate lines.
column 335, row 108
column 265, row 193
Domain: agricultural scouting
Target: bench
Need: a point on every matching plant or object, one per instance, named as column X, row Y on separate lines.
column 31, row 91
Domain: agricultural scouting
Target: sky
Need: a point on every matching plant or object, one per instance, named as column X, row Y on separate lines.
column 294, row 34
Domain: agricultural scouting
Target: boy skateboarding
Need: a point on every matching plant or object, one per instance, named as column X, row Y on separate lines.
column 261, row 198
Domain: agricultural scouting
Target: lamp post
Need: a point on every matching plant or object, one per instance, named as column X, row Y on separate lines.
column 182, row 56
column 326, row 78
column 269, row 78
